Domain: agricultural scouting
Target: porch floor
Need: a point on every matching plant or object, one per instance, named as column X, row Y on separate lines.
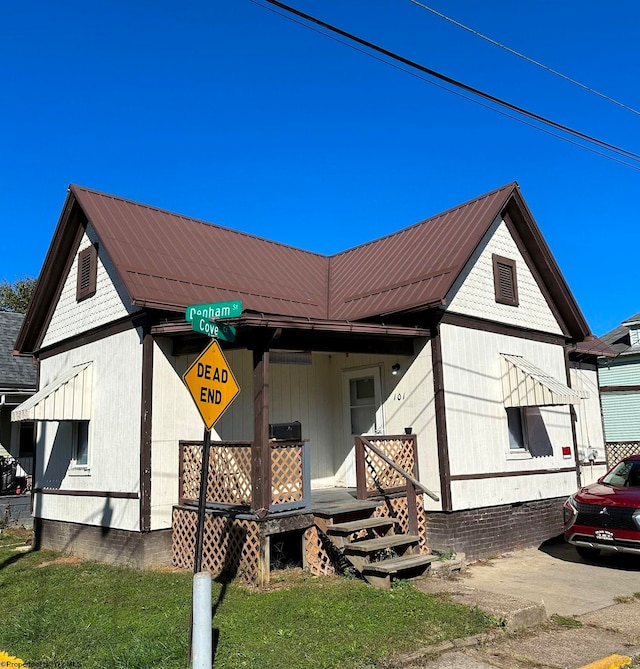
column 336, row 501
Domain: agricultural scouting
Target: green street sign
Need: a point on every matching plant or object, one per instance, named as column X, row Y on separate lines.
column 218, row 330
column 216, row 311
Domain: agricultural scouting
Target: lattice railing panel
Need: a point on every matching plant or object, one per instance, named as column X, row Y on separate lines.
column 619, row 450
column 398, row 508
column 229, row 475
column 380, row 475
column 231, row 546
column 287, row 478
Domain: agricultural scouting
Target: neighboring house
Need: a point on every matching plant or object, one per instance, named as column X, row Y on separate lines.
column 18, row 381
column 620, row 390
column 460, row 330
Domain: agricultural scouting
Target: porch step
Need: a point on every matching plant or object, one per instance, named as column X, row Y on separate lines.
column 345, row 529
column 368, row 547
column 346, row 508
column 379, row 573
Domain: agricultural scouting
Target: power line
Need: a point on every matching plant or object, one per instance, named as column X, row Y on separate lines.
column 521, row 55
column 629, row 155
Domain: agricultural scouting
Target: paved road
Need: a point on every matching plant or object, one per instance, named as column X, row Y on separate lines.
column 598, row 595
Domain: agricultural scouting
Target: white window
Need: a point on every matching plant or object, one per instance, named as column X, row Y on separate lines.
column 80, row 444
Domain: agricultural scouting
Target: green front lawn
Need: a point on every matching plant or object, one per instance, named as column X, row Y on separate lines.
column 62, row 612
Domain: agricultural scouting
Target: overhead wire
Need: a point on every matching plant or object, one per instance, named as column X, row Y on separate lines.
column 370, row 46
column 524, row 57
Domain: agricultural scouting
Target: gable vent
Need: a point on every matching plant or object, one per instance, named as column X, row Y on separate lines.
column 87, row 272
column 505, row 280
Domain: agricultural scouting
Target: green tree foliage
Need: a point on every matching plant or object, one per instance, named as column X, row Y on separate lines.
column 15, row 296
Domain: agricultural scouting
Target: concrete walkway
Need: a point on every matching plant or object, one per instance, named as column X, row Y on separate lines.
column 527, row 590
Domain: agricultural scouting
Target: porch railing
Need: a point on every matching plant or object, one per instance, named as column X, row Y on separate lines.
column 229, row 482
column 388, row 465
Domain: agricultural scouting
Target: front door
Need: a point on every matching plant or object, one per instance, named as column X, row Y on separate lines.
column 362, row 398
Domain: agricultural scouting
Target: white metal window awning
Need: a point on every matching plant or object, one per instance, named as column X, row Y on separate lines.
column 68, row 397
column 525, row 385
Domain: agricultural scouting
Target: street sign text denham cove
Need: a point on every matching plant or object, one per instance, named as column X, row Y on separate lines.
column 205, row 318
column 211, row 383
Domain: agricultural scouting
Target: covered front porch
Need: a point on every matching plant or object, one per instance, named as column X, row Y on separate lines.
column 335, row 381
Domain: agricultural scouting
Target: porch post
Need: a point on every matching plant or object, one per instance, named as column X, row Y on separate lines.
column 260, row 451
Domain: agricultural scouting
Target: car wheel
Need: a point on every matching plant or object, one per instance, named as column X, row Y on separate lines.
column 588, row 553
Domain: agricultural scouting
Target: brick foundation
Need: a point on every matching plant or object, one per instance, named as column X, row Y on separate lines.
column 488, row 531
column 123, row 547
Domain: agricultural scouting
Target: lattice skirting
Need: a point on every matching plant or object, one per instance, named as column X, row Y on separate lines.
column 319, row 558
column 237, row 548
column 232, row 548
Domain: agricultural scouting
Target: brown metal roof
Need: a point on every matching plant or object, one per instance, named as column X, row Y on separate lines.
column 593, row 345
column 167, row 261
column 414, row 267
column 164, row 268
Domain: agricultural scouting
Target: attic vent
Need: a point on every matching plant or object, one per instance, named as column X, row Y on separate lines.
column 505, row 280
column 87, row 272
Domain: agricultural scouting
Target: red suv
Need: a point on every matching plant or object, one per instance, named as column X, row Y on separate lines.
column 606, row 515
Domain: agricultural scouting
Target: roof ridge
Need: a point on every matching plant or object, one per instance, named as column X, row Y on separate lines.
column 191, row 219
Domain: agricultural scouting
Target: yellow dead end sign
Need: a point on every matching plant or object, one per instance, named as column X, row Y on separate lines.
column 211, row 383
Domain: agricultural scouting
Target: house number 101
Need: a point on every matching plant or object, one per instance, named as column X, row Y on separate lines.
column 398, row 397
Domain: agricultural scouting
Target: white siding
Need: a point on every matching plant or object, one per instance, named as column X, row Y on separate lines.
column 114, row 437
column 473, row 293
column 174, row 417
column 510, row 490
column 108, row 304
column 477, row 422
column 589, row 428
column 304, row 392
column 589, row 433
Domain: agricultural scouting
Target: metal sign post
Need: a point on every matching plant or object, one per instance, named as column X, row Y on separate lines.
column 202, row 501
column 213, row 387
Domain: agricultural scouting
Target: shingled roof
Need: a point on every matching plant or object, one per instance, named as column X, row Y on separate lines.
column 618, row 339
column 16, row 373
column 167, row 261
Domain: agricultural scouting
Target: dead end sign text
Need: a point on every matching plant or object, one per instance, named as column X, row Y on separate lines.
column 211, row 383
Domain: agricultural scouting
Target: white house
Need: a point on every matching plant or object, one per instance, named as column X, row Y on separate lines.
column 459, row 330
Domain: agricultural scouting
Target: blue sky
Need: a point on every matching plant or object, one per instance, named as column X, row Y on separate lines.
column 226, row 111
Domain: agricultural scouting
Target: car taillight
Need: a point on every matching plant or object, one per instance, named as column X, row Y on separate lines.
column 571, row 513
column 636, row 518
